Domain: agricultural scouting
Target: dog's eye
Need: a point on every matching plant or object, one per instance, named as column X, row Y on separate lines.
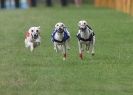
column 37, row 30
column 32, row 31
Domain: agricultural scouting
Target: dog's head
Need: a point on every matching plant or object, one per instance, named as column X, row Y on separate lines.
column 35, row 32
column 60, row 27
column 82, row 25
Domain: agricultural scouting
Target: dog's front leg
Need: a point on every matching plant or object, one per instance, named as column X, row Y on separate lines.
column 55, row 47
column 26, row 43
column 64, row 51
column 92, row 46
column 67, row 44
column 31, row 46
column 80, row 50
column 87, row 47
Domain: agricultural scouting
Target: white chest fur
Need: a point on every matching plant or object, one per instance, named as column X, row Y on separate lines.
column 59, row 36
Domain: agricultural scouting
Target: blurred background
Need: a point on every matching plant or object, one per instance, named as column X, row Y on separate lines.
column 42, row 72
column 33, row 3
column 125, row 6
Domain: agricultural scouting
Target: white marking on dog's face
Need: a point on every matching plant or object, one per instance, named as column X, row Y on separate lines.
column 60, row 27
column 82, row 25
column 35, row 31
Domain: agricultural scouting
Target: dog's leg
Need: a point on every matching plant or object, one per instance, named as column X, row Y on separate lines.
column 67, row 44
column 26, row 43
column 92, row 46
column 87, row 47
column 80, row 50
column 31, row 46
column 64, row 51
column 55, row 47
column 36, row 44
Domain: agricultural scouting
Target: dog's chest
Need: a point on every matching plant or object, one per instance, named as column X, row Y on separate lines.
column 59, row 37
column 85, row 35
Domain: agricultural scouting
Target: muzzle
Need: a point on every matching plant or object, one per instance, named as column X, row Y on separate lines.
column 35, row 36
column 83, row 29
column 60, row 30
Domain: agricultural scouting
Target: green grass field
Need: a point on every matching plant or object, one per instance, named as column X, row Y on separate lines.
column 43, row 72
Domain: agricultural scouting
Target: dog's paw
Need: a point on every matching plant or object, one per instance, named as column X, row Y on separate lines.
column 88, row 51
column 31, row 49
column 82, row 49
column 68, row 48
column 92, row 54
column 64, row 58
column 54, row 48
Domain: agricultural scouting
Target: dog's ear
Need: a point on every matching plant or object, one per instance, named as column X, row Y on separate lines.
column 30, row 29
column 39, row 27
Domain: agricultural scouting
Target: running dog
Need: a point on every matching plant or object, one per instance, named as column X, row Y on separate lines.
column 32, row 38
column 85, row 37
column 60, row 39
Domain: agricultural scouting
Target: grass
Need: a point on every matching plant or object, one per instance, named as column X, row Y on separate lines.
column 43, row 72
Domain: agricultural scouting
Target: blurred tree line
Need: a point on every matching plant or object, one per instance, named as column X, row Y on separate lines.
column 11, row 4
column 70, row 1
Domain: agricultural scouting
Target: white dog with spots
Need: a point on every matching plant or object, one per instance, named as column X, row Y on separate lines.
column 60, row 38
column 86, row 38
column 32, row 38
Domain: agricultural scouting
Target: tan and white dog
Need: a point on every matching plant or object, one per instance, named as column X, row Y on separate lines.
column 61, row 38
column 86, row 37
column 32, row 38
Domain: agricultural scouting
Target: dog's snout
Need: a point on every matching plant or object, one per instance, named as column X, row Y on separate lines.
column 60, row 30
column 35, row 36
column 82, row 29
